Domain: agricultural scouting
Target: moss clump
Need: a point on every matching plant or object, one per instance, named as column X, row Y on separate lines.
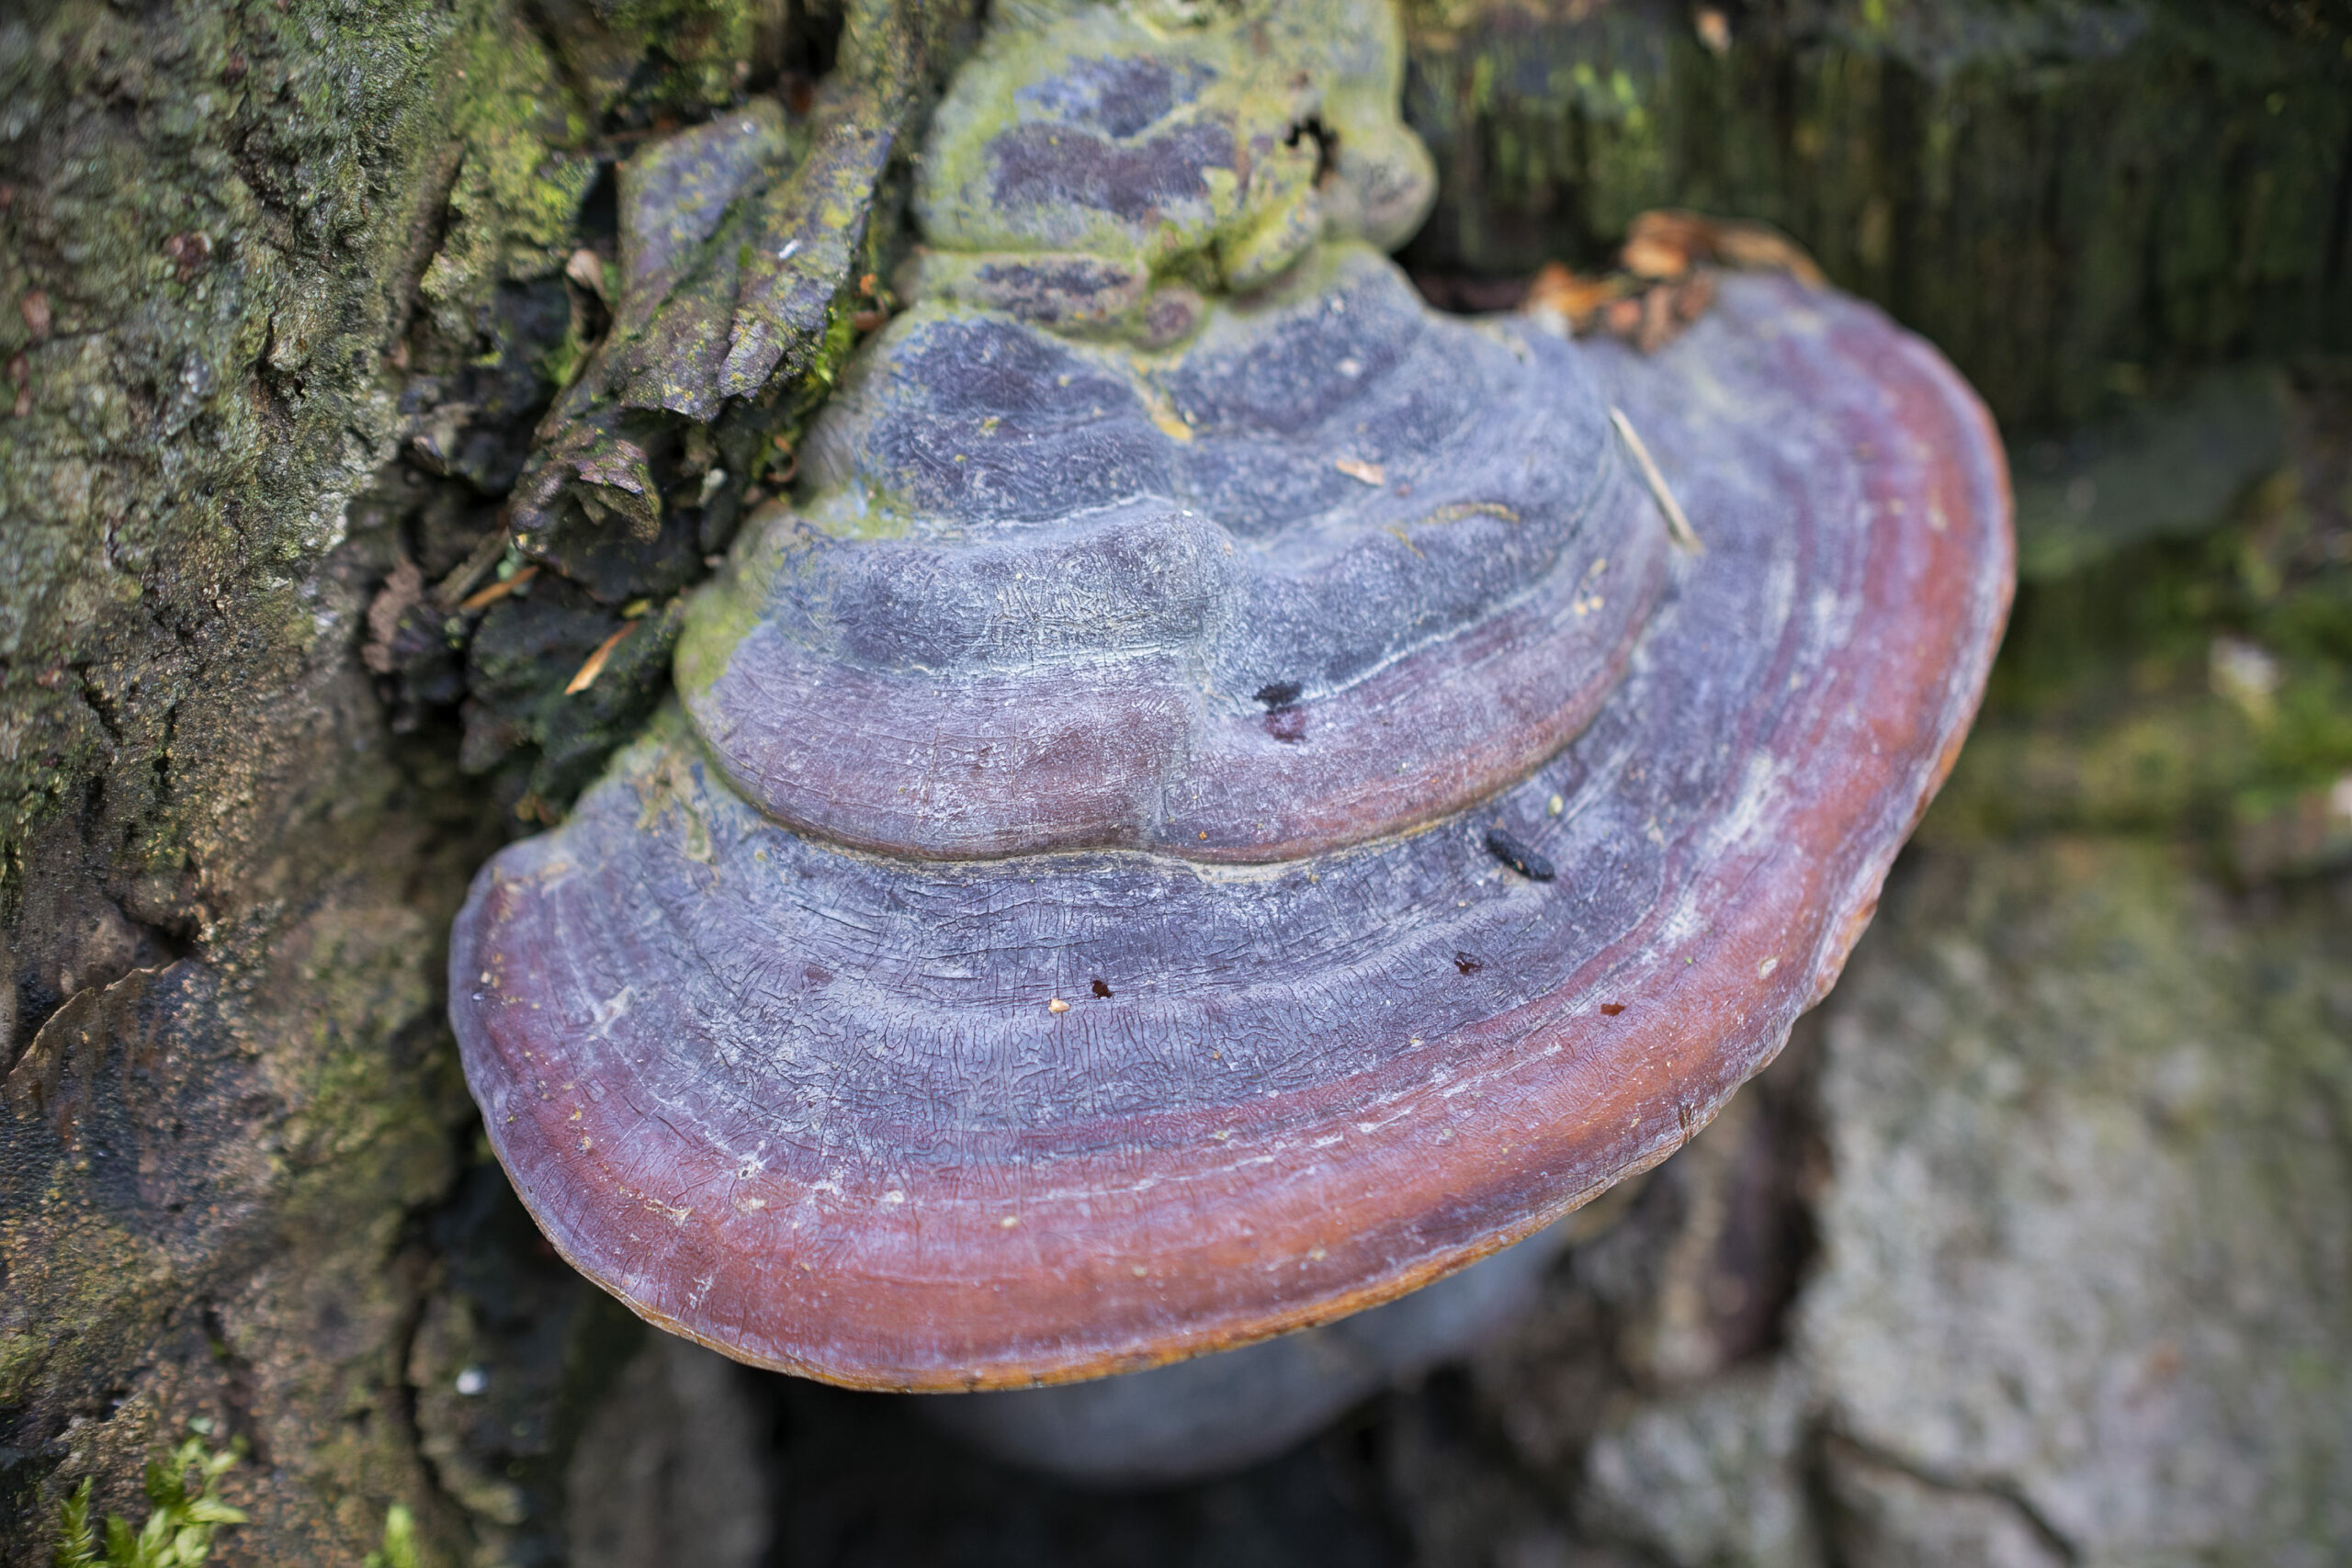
column 697, row 50
column 1254, row 133
column 2200, row 685
column 398, row 1550
column 180, row 1524
column 514, row 205
column 671, row 424
column 526, row 659
column 643, row 62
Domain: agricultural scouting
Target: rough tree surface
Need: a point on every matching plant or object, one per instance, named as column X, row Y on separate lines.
column 284, row 292
column 287, row 291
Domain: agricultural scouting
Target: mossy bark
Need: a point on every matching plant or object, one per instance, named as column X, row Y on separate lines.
column 254, row 257
column 2074, row 202
column 224, row 884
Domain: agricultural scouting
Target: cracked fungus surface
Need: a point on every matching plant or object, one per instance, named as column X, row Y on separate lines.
column 1336, row 568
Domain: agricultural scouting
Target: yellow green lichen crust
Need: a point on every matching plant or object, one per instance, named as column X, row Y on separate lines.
column 1211, row 144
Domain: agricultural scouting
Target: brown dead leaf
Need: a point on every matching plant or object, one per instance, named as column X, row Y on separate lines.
column 484, row 598
column 594, row 666
column 1657, row 235
column 452, row 589
column 1693, row 295
column 1663, row 242
column 402, row 591
column 1558, row 289
column 1760, row 247
column 1650, row 257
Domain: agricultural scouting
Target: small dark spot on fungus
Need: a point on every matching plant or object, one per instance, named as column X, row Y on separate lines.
column 1102, row 989
column 1469, row 963
column 1610, row 1010
column 1278, row 695
column 1285, row 720
column 1287, row 724
column 1518, row 856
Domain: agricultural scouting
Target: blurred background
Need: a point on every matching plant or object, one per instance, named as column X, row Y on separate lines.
column 2035, row 1245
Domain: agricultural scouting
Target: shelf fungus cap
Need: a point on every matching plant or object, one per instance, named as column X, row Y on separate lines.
column 1180, row 832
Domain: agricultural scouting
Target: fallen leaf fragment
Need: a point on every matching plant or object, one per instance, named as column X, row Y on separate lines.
column 1757, row 247
column 1659, row 320
column 1693, row 295
column 401, row 593
column 1654, row 255
column 1556, row 289
column 1655, row 237
column 453, row 589
column 1356, row 469
column 483, row 598
column 595, row 664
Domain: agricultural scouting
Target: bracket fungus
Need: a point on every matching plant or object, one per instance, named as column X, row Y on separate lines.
column 1221, row 798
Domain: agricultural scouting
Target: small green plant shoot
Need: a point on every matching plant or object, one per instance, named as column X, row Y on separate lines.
column 400, row 1539
column 180, row 1523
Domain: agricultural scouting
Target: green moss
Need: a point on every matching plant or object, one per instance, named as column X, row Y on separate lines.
column 2200, row 686
column 638, row 61
column 515, row 206
column 2065, row 198
column 180, row 1524
column 704, row 42
column 722, row 612
column 225, row 211
column 1260, row 70
column 398, row 1550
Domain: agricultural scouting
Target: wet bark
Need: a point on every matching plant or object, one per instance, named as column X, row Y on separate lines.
column 287, row 293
